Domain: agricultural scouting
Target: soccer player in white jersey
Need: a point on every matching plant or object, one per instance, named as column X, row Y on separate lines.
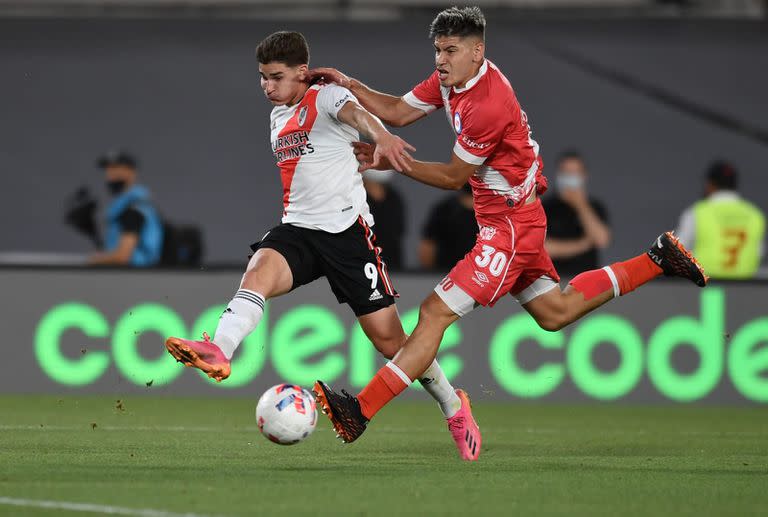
column 326, row 225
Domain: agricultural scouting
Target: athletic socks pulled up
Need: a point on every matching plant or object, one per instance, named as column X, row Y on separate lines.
column 621, row 277
column 436, row 384
column 387, row 384
column 240, row 318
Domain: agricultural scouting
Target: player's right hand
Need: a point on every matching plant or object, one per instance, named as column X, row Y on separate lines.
column 364, row 155
column 329, row 75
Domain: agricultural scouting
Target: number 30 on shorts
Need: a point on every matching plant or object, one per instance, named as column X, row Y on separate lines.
column 494, row 262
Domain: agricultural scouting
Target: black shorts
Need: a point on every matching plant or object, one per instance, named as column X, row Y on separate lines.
column 350, row 260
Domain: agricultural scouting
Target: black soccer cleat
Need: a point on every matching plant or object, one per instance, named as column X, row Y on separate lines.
column 672, row 257
column 343, row 410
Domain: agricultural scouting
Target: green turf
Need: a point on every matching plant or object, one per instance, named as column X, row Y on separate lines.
column 206, row 456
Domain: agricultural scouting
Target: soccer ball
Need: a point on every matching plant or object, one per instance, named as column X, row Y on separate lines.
column 286, row 414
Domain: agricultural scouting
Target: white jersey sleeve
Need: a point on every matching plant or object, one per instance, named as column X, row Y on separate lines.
column 332, row 98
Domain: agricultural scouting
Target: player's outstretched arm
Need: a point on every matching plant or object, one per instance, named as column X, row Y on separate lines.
column 391, row 151
column 394, row 111
column 450, row 176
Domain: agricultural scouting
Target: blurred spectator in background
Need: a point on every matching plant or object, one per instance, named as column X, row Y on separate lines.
column 134, row 230
column 577, row 225
column 388, row 211
column 724, row 231
column 449, row 232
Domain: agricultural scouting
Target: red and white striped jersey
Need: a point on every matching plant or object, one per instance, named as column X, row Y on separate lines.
column 491, row 131
column 322, row 189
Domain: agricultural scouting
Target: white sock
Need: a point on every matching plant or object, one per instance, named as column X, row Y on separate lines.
column 242, row 315
column 434, row 381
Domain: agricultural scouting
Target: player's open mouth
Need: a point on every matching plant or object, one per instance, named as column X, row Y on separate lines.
column 442, row 74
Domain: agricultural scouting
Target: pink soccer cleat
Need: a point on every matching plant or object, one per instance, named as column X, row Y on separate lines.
column 464, row 429
column 203, row 355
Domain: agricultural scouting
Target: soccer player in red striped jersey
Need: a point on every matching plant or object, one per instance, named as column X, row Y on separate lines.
column 326, row 226
column 495, row 151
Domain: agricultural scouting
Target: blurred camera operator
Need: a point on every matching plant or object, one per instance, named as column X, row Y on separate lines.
column 134, row 231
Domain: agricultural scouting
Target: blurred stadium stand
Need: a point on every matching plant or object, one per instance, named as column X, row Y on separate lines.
column 650, row 100
column 365, row 9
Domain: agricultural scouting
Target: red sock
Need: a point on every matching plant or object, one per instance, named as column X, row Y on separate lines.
column 593, row 283
column 387, row 384
column 634, row 272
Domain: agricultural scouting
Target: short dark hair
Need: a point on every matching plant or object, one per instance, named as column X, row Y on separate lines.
column 287, row 47
column 571, row 154
column 723, row 175
column 458, row 21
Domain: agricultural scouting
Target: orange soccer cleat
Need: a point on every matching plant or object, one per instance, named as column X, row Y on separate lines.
column 203, row 355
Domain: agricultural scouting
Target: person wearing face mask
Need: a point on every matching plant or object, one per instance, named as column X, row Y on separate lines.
column 449, row 232
column 388, row 209
column 134, row 230
column 577, row 224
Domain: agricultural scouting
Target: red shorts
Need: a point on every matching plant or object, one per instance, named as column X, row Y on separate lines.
column 508, row 257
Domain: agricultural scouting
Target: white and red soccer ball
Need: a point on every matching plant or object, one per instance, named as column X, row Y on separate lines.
column 286, row 414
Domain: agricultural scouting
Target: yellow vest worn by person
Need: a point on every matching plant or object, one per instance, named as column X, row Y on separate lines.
column 729, row 236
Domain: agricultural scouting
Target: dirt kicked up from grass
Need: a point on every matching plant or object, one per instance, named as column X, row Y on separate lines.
column 164, row 457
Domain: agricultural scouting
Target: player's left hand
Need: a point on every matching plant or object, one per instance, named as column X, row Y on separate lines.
column 329, row 75
column 394, row 150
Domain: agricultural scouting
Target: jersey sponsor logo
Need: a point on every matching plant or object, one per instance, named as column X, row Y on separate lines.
column 342, row 101
column 303, row 115
column 487, row 232
column 457, row 123
column 292, row 145
column 471, row 143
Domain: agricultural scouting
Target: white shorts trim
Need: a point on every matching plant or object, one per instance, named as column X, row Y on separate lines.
column 542, row 285
column 456, row 298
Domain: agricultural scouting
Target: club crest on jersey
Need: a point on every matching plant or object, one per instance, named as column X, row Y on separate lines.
column 302, row 115
column 487, row 233
column 457, row 123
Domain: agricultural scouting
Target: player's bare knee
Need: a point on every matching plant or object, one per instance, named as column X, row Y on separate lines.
column 552, row 322
column 388, row 345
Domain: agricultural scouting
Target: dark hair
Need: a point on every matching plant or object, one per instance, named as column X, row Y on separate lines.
column 458, row 21
column 283, row 47
column 571, row 154
column 723, row 175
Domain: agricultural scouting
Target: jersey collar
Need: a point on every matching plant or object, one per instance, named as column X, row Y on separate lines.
column 475, row 79
column 724, row 195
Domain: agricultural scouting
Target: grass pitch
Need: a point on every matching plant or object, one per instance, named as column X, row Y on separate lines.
column 176, row 456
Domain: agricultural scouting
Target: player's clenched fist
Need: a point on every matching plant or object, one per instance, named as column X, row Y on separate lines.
column 329, row 75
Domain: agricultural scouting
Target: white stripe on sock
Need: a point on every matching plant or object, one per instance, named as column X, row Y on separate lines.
column 614, row 281
column 400, row 373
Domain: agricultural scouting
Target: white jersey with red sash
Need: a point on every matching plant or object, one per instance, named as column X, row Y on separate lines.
column 322, row 189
